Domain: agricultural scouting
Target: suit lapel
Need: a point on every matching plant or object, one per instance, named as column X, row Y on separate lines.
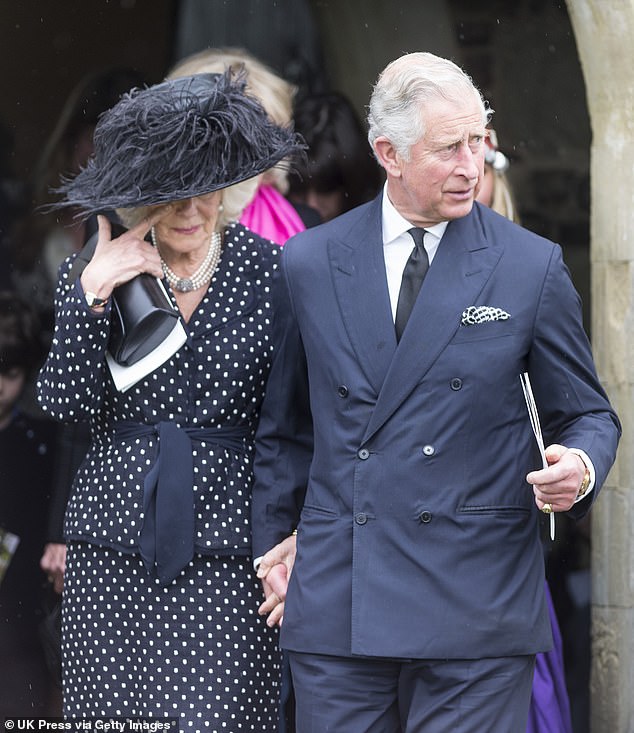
column 360, row 282
column 462, row 265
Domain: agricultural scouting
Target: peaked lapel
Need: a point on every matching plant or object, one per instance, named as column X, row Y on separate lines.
column 462, row 265
column 360, row 282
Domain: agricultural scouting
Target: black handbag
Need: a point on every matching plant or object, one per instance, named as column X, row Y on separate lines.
column 142, row 315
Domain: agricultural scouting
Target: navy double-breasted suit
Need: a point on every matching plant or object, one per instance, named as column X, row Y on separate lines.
column 403, row 465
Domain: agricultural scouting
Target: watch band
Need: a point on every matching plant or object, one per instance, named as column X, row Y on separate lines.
column 93, row 301
column 585, row 482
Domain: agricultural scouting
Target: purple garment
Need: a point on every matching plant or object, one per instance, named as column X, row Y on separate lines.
column 550, row 709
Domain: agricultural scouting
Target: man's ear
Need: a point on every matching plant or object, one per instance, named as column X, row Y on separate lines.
column 387, row 156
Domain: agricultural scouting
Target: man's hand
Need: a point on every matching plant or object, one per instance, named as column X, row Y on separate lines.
column 558, row 485
column 275, row 571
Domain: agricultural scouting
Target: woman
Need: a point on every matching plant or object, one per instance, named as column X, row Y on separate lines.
column 160, row 597
column 265, row 209
column 495, row 190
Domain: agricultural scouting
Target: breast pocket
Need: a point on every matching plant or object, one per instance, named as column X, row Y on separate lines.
column 485, row 331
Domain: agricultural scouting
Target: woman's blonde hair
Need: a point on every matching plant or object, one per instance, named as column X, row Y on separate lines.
column 503, row 201
column 274, row 94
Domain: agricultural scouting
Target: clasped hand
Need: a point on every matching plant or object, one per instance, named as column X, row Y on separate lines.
column 274, row 571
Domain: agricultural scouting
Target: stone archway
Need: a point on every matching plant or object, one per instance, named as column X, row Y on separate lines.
column 604, row 33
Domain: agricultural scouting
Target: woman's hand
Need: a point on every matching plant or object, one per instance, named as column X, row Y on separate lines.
column 117, row 261
column 274, row 571
column 53, row 563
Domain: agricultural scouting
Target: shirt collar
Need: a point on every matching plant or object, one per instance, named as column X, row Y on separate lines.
column 395, row 225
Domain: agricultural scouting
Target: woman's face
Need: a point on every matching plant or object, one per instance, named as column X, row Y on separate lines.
column 188, row 224
column 485, row 194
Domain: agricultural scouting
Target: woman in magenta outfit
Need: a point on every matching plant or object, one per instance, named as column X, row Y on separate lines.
column 550, row 708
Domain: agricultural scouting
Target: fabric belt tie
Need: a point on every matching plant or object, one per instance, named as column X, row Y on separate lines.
column 166, row 539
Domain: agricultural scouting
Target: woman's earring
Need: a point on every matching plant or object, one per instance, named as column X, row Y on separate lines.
column 221, row 207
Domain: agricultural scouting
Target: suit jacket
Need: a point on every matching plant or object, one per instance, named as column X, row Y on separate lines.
column 403, row 466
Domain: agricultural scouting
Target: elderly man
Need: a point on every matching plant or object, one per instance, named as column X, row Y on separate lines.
column 395, row 436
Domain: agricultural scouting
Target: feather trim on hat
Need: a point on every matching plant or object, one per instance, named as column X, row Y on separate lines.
column 177, row 140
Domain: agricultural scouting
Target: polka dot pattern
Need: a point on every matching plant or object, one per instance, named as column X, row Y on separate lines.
column 196, row 649
column 215, row 380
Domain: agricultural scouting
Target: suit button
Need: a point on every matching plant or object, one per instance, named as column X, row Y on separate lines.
column 425, row 517
column 364, row 454
column 429, row 450
column 361, row 518
column 342, row 390
column 456, row 384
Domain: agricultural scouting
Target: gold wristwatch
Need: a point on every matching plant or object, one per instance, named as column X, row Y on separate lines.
column 585, row 482
column 93, row 301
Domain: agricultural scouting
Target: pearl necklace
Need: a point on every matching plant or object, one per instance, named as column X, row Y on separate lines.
column 202, row 275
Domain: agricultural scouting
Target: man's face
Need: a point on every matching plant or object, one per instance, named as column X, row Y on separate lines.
column 440, row 180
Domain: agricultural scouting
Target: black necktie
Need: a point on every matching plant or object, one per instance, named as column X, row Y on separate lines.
column 413, row 275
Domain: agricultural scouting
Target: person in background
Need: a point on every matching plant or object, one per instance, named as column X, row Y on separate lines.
column 42, row 239
column 339, row 172
column 495, row 191
column 549, row 710
column 159, row 605
column 26, row 461
column 38, row 244
column 262, row 200
column 395, row 460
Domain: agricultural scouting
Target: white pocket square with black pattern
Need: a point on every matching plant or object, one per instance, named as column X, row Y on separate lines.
column 476, row 314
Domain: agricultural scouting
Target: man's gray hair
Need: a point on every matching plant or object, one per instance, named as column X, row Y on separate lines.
column 403, row 89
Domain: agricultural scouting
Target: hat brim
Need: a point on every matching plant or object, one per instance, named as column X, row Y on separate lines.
column 177, row 140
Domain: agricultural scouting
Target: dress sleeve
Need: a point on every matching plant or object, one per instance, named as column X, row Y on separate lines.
column 71, row 383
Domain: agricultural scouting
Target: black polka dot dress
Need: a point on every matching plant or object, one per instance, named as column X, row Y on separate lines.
column 194, row 647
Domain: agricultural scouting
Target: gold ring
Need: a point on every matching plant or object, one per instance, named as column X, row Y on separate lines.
column 547, row 508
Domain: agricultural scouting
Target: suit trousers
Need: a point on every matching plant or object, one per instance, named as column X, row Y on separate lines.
column 373, row 695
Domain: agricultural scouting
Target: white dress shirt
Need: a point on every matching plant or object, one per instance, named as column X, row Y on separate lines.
column 398, row 245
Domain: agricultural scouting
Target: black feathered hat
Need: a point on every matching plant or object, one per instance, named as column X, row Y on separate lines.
column 175, row 140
